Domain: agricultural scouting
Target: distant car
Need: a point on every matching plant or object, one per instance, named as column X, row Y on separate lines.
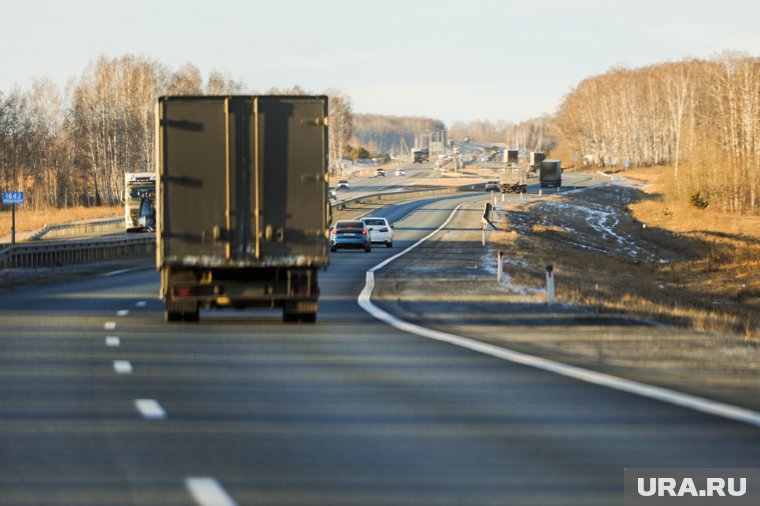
column 351, row 234
column 343, row 184
column 400, row 172
column 380, row 172
column 492, row 186
column 332, row 192
column 379, row 230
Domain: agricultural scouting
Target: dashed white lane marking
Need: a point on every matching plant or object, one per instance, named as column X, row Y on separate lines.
column 109, row 325
column 115, row 273
column 141, row 303
column 122, row 312
column 122, row 366
column 113, row 341
column 208, row 492
column 150, row 409
column 716, row 408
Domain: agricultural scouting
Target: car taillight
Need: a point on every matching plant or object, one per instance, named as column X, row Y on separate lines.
column 364, row 232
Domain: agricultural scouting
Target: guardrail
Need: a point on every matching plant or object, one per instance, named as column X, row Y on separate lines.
column 341, row 204
column 83, row 228
column 46, row 254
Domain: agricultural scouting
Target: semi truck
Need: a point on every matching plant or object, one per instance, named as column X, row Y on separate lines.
column 243, row 212
column 550, row 173
column 139, row 200
column 420, row 155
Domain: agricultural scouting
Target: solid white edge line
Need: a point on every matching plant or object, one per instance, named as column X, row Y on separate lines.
column 150, row 409
column 208, row 491
column 716, row 408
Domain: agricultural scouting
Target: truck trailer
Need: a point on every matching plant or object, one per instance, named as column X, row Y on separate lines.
column 420, row 155
column 550, row 173
column 243, row 211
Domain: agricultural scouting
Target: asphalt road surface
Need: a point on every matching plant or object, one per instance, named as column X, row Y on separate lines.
column 103, row 403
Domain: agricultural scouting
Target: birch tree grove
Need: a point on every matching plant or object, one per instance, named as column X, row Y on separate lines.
column 700, row 117
column 75, row 149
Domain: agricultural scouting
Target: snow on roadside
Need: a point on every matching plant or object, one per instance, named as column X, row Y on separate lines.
column 594, row 223
column 490, row 265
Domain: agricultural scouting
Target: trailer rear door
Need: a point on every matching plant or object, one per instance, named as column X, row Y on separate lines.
column 242, row 180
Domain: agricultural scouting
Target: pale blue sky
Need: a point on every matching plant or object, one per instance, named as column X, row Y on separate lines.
column 452, row 60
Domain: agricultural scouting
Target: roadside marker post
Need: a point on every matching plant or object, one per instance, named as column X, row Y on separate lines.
column 499, row 265
column 550, row 285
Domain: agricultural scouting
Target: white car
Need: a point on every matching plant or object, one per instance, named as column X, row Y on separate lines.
column 400, row 172
column 379, row 230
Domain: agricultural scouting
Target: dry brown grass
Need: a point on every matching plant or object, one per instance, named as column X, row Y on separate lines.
column 709, row 280
column 30, row 221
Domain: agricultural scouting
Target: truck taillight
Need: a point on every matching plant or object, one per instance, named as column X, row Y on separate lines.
column 183, row 292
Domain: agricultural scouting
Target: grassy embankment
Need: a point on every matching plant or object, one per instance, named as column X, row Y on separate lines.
column 705, row 275
column 31, row 221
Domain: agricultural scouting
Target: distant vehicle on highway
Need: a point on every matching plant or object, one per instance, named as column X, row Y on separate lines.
column 343, row 185
column 420, row 155
column 400, row 172
column 139, row 200
column 550, row 173
column 379, row 230
column 332, row 192
column 352, row 234
column 380, row 173
column 492, row 186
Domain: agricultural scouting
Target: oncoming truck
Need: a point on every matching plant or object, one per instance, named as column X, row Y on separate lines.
column 420, row 155
column 243, row 212
column 139, row 200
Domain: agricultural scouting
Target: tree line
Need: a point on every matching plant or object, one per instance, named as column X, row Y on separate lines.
column 536, row 134
column 700, row 117
column 73, row 148
column 380, row 134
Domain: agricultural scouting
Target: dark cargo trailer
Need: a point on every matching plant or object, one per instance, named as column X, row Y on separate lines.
column 550, row 173
column 536, row 157
column 243, row 209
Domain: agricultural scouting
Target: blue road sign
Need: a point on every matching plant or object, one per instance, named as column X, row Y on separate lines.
column 13, row 197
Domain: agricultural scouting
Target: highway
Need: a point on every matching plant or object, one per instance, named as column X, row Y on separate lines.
column 102, row 402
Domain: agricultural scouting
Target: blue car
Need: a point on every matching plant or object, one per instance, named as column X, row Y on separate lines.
column 350, row 234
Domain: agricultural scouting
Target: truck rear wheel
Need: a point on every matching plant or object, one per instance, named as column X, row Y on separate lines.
column 174, row 312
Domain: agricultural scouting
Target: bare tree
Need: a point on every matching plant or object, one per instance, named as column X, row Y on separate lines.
column 341, row 127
